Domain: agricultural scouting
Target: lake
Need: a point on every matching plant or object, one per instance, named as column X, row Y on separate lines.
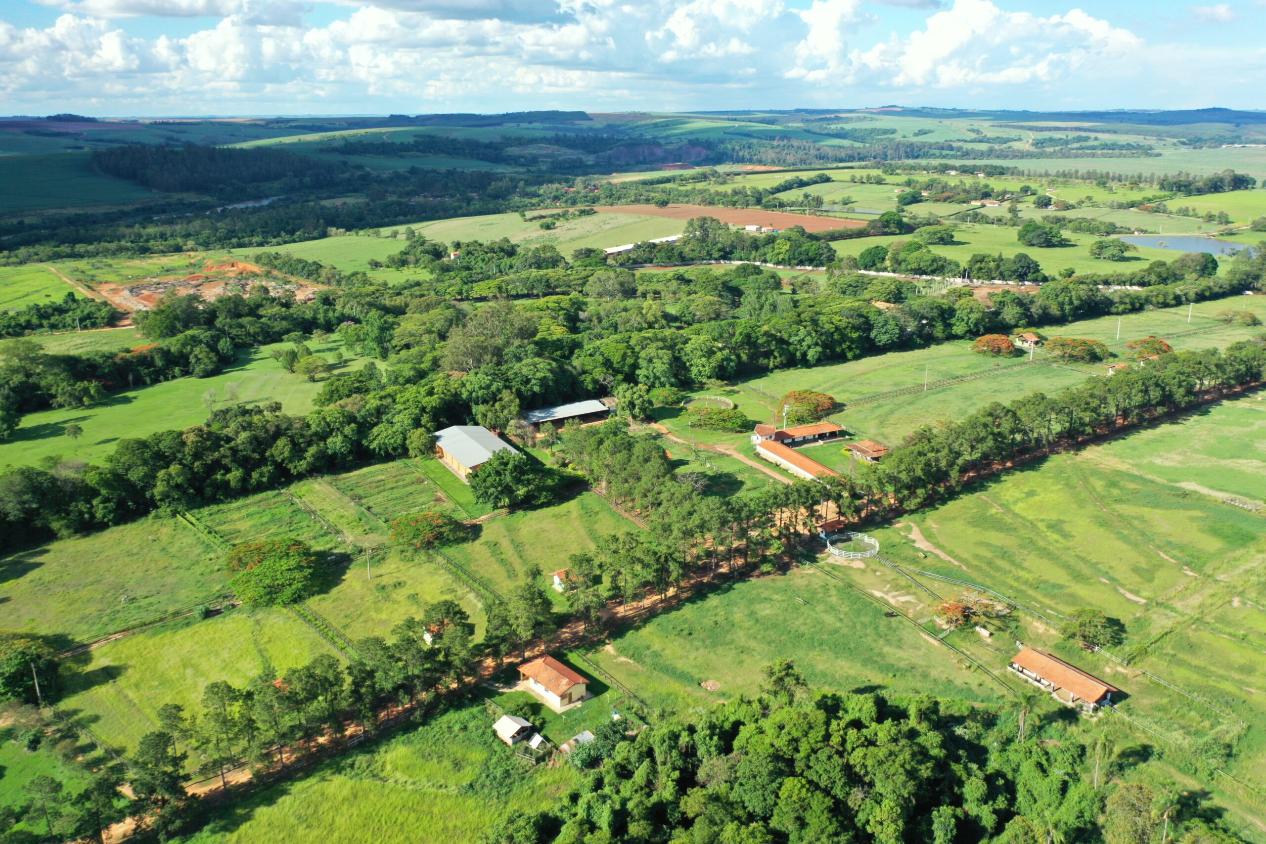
column 1185, row 243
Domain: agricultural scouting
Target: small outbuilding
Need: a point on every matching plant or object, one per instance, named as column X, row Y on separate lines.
column 1114, row 368
column 1026, row 340
column 553, row 683
column 590, row 410
column 464, row 448
column 868, row 450
column 512, row 729
column 1067, row 683
column 561, row 580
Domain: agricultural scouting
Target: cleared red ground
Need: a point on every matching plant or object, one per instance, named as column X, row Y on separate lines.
column 736, row 216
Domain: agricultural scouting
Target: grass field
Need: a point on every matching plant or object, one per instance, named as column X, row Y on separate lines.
column 61, row 180
column 85, row 587
column 88, row 342
column 1243, row 206
column 118, row 687
column 18, row 766
column 595, row 230
column 29, row 285
column 175, row 404
column 448, row 780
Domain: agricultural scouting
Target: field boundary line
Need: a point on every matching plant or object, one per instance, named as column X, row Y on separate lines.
column 612, row 680
column 471, row 580
column 325, row 629
column 204, row 530
column 329, row 527
column 225, row 599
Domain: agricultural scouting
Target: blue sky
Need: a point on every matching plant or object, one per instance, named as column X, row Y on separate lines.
column 240, row 57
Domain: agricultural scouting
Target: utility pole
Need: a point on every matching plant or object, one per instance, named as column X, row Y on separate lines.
column 1190, row 308
column 36, row 677
column 925, row 377
column 1118, row 328
column 785, row 407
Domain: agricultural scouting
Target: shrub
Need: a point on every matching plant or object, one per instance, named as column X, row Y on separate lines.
column 1149, row 346
column 1111, row 249
column 805, row 406
column 510, row 479
column 1259, row 225
column 1077, row 349
column 1091, row 629
column 427, row 529
column 667, row 396
column 272, row 572
column 1034, row 233
column 717, row 419
column 1239, row 318
column 22, row 659
column 995, row 344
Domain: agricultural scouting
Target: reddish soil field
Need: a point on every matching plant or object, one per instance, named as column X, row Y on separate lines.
column 737, row 216
column 215, row 281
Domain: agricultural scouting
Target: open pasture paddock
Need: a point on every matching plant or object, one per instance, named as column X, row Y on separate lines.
column 118, row 687
column 85, row 587
column 447, row 780
column 1243, row 206
column 454, row 488
column 388, row 490
column 181, row 403
column 720, row 474
column 268, row 515
column 87, row 342
column 623, row 224
column 30, row 284
column 348, row 253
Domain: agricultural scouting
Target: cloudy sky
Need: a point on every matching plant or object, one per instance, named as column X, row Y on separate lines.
column 239, row 57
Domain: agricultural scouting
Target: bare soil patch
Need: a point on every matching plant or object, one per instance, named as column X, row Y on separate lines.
column 214, row 281
column 737, row 216
column 921, row 542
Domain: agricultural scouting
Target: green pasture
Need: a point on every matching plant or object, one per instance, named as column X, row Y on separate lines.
column 94, row 271
column 1250, row 160
column 454, row 488
column 87, row 342
column 176, row 404
column 84, row 587
column 18, row 766
column 29, row 284
column 349, row 253
column 721, row 474
column 447, row 780
column 269, row 515
column 838, row 638
column 508, row 546
column 1243, row 206
column 118, row 687
column 595, row 231
column 61, row 180
column 385, row 491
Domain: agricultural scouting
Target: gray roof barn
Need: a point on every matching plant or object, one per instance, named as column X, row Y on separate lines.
column 565, row 411
column 470, row 445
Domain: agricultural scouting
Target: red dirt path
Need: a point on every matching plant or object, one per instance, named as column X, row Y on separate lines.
column 736, row 216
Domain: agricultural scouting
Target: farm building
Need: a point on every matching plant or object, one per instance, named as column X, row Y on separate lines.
column 561, row 580
column 512, row 729
column 1027, row 340
column 1066, row 683
column 795, row 463
column 798, row 434
column 590, row 410
column 583, row 737
column 553, row 683
column 868, row 450
column 464, row 448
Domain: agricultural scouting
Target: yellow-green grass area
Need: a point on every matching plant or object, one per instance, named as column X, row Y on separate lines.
column 594, row 230
column 1251, row 160
column 972, row 238
column 1243, row 206
column 82, row 588
column 349, row 253
column 30, row 284
column 269, row 515
column 883, row 396
column 255, row 378
column 720, row 474
column 1121, row 528
column 714, row 646
column 94, row 271
column 448, row 780
column 509, row 546
column 87, row 342
column 118, row 688
column 454, row 488
column 19, row 766
column 61, row 180
column 386, row 491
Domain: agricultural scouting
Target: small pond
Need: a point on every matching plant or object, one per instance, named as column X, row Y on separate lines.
column 1185, row 243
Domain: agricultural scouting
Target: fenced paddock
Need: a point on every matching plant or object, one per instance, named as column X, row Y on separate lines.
column 390, row 490
column 271, row 515
column 720, row 402
column 850, row 545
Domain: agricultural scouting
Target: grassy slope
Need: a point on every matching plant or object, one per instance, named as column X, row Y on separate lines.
column 170, row 405
column 29, row 285
column 60, row 180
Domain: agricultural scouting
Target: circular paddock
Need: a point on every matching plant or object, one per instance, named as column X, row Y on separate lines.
column 850, row 545
column 711, row 401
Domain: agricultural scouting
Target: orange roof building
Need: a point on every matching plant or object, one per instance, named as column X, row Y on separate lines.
column 868, row 450
column 1067, row 683
column 557, row 685
column 797, row 434
column 794, row 462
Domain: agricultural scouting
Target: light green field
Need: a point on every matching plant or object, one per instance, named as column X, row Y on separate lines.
column 439, row 782
column 596, row 230
column 61, row 180
column 29, row 285
column 87, row 342
column 508, row 546
column 93, row 271
column 175, row 404
column 120, row 686
column 1171, row 160
column 1243, row 206
column 349, row 253
column 993, row 240
column 88, row 586
column 19, row 766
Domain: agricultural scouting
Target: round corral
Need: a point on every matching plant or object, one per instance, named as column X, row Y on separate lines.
column 851, row 545
column 711, row 401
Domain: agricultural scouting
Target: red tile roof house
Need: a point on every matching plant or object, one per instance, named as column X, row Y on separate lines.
column 553, row 683
column 868, row 450
column 797, row 434
column 1068, row 684
column 791, row 460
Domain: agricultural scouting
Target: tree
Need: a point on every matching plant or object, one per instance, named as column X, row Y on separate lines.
column 999, row 345
column 1111, row 249
column 1091, row 629
column 1038, row 234
column 717, row 418
column 45, row 803
column 99, row 804
column 156, row 774
column 312, row 367
column 1077, row 349
column 1148, row 347
column 1128, row 815
column 1042, row 201
column 634, row 401
column 73, row 431
column 511, row 479
column 28, row 669
column 783, row 682
column 272, row 572
column 806, row 406
column 936, row 235
column 427, row 529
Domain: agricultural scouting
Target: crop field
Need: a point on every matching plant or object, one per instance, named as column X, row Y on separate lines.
column 29, row 284
column 992, row 240
column 388, row 490
column 269, row 515
column 119, row 687
column 175, row 404
column 508, row 546
column 61, row 180
column 85, row 587
column 447, row 780
column 714, row 647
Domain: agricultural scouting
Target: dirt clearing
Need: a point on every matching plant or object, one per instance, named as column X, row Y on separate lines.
column 736, row 216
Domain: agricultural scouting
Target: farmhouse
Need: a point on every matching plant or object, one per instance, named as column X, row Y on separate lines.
column 553, row 683
column 798, row 434
column 1068, row 684
column 512, row 729
column 590, row 410
column 868, row 450
column 1027, row 340
column 791, row 460
column 464, row 448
